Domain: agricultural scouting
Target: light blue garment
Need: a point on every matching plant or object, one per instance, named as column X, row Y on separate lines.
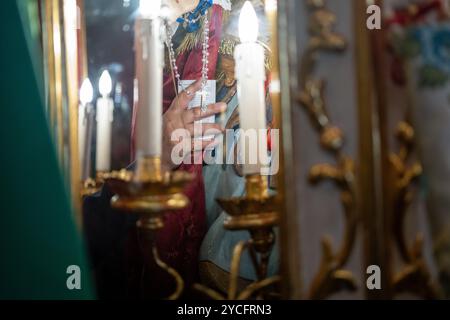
column 221, row 181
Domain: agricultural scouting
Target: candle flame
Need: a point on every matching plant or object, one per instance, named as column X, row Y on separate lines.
column 105, row 84
column 149, row 7
column 86, row 92
column 248, row 23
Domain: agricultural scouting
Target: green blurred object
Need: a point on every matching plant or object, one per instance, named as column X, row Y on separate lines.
column 39, row 239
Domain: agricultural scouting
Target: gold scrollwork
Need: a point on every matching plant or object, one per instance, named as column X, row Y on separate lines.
column 331, row 277
column 414, row 276
column 172, row 272
column 252, row 290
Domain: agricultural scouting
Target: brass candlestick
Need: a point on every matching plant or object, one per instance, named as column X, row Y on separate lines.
column 257, row 213
column 150, row 193
column 91, row 186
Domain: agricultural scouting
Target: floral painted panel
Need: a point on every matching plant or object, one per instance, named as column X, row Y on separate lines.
column 426, row 50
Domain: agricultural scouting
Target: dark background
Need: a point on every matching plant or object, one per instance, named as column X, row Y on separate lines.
column 109, row 39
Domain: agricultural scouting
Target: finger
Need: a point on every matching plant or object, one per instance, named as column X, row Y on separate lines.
column 198, row 147
column 196, row 114
column 188, row 94
column 204, row 144
column 173, row 124
column 201, row 129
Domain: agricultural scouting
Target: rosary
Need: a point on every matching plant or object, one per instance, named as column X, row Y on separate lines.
column 205, row 55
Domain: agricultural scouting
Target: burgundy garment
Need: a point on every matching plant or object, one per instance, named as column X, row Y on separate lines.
column 180, row 239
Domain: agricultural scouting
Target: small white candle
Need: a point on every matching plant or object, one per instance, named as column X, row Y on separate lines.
column 149, row 74
column 105, row 109
column 84, row 111
column 250, row 75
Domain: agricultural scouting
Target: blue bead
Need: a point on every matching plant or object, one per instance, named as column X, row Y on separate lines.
column 192, row 20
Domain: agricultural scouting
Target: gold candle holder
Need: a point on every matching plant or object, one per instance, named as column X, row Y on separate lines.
column 93, row 185
column 257, row 213
column 150, row 193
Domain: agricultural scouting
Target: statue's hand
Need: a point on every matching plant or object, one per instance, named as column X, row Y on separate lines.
column 179, row 7
column 180, row 126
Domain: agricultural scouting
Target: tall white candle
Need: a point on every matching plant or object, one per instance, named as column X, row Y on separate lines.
column 149, row 74
column 250, row 75
column 84, row 112
column 105, row 109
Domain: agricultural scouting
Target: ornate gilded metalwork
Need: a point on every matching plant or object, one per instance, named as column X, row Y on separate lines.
column 414, row 276
column 257, row 213
column 150, row 193
column 60, row 51
column 331, row 276
column 227, row 45
column 91, row 186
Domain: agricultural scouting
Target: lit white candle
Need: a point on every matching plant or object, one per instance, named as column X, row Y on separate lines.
column 250, row 75
column 85, row 125
column 149, row 74
column 105, row 109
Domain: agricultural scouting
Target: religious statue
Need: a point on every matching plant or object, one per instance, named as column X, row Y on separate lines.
column 200, row 39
